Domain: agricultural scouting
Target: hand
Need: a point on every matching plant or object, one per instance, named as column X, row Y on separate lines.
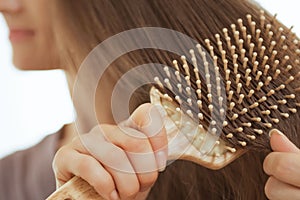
column 283, row 166
column 118, row 161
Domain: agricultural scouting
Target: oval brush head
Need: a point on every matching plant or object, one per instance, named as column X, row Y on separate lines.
column 255, row 63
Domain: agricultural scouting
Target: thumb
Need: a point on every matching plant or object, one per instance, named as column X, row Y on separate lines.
column 279, row 142
column 149, row 119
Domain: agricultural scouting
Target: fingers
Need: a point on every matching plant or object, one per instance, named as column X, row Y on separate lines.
column 276, row 190
column 120, row 161
column 284, row 167
column 142, row 159
column 149, row 120
column 135, row 145
column 114, row 159
column 68, row 162
column 279, row 142
column 142, row 163
column 76, row 159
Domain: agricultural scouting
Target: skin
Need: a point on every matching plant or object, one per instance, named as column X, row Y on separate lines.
column 138, row 134
column 31, row 36
column 30, row 33
column 282, row 165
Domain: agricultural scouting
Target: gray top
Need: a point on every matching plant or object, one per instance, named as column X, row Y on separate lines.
column 28, row 174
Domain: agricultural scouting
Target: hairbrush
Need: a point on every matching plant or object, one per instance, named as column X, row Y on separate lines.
column 251, row 59
column 257, row 76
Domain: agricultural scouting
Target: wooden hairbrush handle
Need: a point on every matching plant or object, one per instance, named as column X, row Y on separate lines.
column 75, row 189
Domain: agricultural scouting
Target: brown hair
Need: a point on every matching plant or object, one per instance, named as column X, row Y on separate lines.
column 85, row 24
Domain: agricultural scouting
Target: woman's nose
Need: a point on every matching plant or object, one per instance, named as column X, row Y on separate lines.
column 7, row 6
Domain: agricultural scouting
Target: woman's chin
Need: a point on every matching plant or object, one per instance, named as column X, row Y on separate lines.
column 32, row 62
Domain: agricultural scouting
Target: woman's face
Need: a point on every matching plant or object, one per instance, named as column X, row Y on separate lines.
column 30, row 33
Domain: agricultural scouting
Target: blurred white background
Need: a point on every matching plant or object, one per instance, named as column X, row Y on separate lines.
column 34, row 104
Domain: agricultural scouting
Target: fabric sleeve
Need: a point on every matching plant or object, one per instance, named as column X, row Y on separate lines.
column 27, row 174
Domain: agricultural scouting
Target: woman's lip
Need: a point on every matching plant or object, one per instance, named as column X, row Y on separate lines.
column 17, row 35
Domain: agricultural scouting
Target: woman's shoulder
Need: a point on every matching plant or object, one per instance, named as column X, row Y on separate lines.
column 47, row 144
column 27, row 174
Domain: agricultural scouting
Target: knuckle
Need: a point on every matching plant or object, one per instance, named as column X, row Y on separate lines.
column 281, row 167
column 144, row 108
column 104, row 184
column 84, row 165
column 277, row 165
column 61, row 151
column 75, row 141
column 105, row 130
column 96, row 128
column 136, row 145
column 148, row 180
column 59, row 156
column 160, row 141
column 139, row 146
column 130, row 191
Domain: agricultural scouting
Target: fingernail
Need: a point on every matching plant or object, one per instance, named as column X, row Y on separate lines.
column 114, row 195
column 161, row 158
column 276, row 131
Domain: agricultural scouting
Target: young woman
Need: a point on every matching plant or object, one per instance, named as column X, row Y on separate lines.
column 28, row 174
column 84, row 24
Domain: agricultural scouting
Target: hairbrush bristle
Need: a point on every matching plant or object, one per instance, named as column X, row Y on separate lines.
column 251, row 59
